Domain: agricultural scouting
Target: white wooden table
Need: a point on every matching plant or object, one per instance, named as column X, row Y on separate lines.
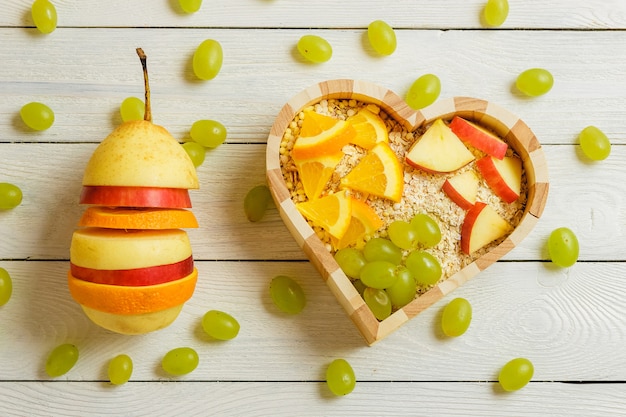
column 570, row 322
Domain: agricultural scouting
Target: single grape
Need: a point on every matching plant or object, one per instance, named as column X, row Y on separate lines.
column 287, row 294
column 424, row 91
column 220, row 325
column 350, row 260
column 534, row 82
column 340, row 377
column 196, row 152
column 496, row 12
column 381, row 249
column 428, row 232
column 132, row 108
column 456, row 317
column 120, row 369
column 44, row 15
column 594, row 143
column 190, row 6
column 208, row 133
column 315, row 48
column 424, row 267
column 563, row 247
column 403, row 234
column 378, row 301
column 382, row 37
column 516, row 374
column 378, row 274
column 256, row 201
column 10, row 196
column 6, row 286
column 207, row 60
column 180, row 361
column 37, row 116
column 403, row 290
column 61, row 359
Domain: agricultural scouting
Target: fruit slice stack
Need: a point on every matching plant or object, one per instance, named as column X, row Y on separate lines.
column 131, row 265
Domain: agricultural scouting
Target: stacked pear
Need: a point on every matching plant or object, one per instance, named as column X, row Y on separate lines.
column 131, row 264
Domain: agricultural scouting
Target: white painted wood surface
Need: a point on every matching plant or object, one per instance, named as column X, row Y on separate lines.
column 570, row 322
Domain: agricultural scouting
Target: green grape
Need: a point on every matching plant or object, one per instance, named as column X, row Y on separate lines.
column 403, row 290
column 424, row 267
column 120, row 369
column 208, row 133
column 382, row 37
column 196, row 152
column 456, row 317
column 287, row 294
column 424, row 91
column 563, row 247
column 10, row 196
column 207, row 60
column 340, row 377
column 6, row 286
column 44, row 15
column 350, row 260
column 220, row 325
column 516, row 374
column 61, row 359
column 378, row 274
column 314, row 48
column 37, row 116
column 381, row 249
column 378, row 301
column 256, row 201
column 496, row 12
column 132, row 108
column 428, row 231
column 534, row 82
column 190, row 6
column 180, row 361
column 594, row 143
column 403, row 234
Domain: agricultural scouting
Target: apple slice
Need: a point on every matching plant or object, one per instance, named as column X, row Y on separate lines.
column 462, row 189
column 482, row 225
column 478, row 137
column 438, row 150
column 130, row 196
column 503, row 176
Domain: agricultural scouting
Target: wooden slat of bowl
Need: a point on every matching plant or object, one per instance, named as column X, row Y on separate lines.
column 514, row 130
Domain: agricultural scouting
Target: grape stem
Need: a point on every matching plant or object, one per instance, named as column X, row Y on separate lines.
column 142, row 57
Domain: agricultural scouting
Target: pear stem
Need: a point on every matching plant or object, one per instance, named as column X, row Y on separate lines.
column 148, row 112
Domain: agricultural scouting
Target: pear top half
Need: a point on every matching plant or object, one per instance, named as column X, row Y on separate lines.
column 141, row 154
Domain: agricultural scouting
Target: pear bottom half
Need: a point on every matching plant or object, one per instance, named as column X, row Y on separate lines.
column 133, row 324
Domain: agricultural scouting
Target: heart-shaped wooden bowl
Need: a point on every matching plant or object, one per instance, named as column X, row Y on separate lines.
column 509, row 127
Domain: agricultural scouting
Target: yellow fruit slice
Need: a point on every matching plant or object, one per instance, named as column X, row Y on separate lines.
column 331, row 212
column 370, row 129
column 378, row 173
column 364, row 222
column 321, row 135
column 315, row 173
column 137, row 218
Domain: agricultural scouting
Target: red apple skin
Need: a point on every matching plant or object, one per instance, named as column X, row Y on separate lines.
column 123, row 196
column 468, row 132
column 455, row 196
column 495, row 181
column 468, row 225
column 152, row 275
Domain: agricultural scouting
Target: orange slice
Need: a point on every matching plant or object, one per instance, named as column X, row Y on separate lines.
column 119, row 299
column 378, row 173
column 364, row 222
column 331, row 212
column 321, row 135
column 370, row 129
column 315, row 173
column 146, row 218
